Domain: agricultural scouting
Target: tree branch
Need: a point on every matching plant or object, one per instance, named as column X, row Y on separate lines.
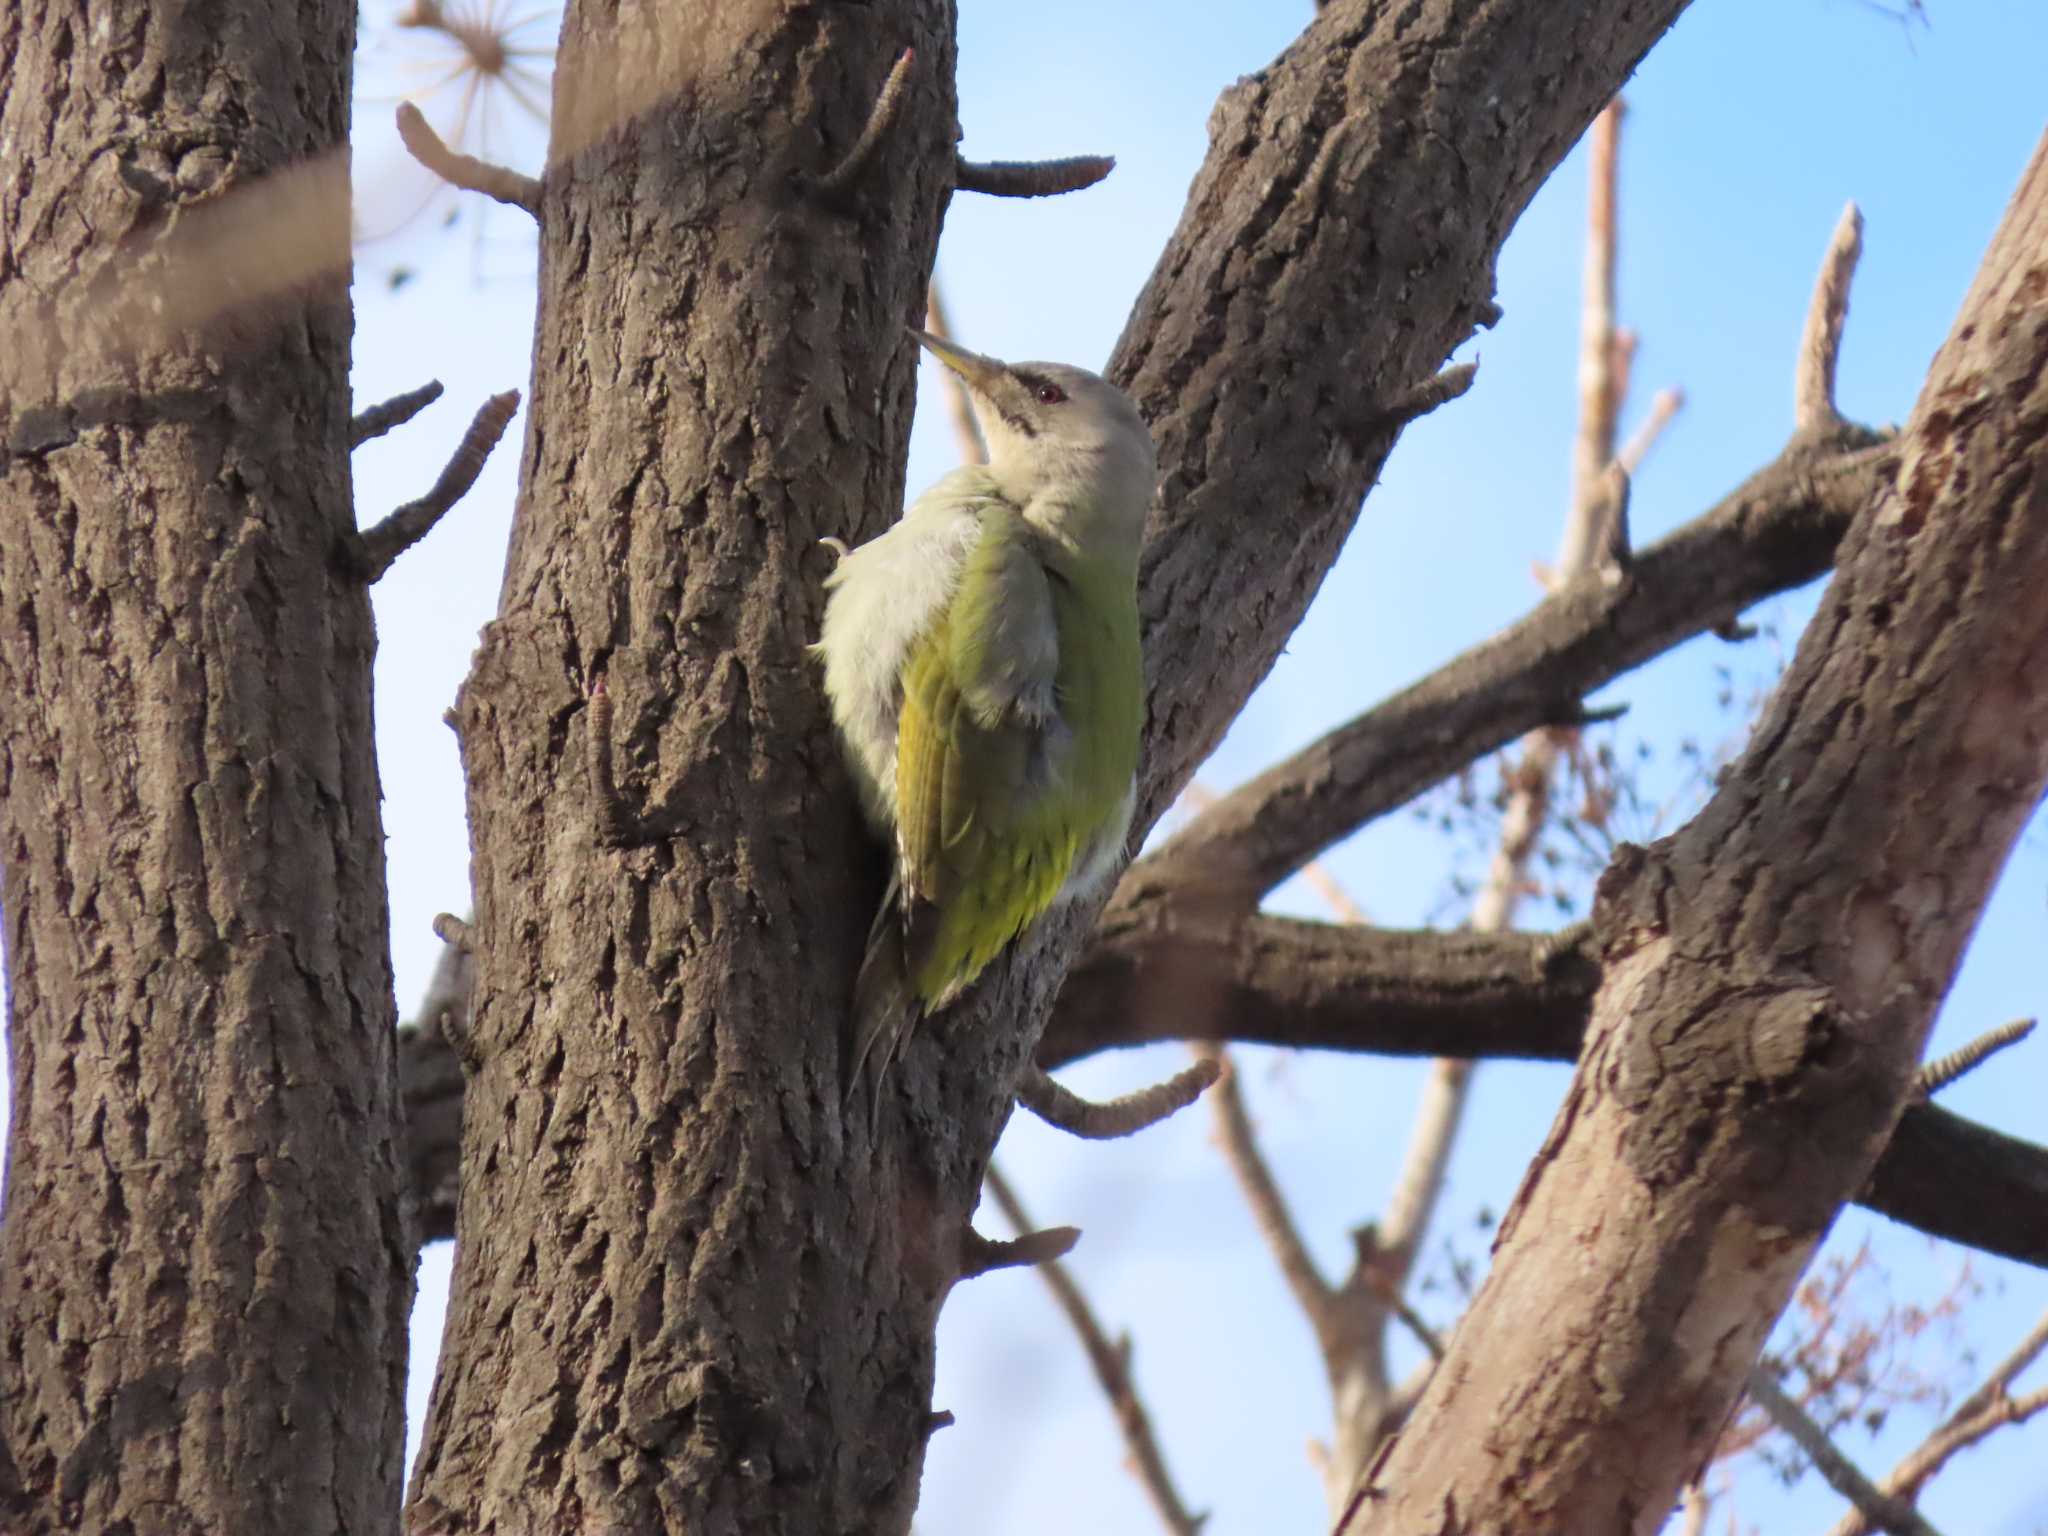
column 1776, row 531
column 1166, row 970
column 379, row 546
column 1842, row 1474
column 1112, row 1364
column 1813, row 386
column 1939, row 1073
column 465, row 171
column 1432, row 393
column 1031, row 178
column 1312, row 1293
column 1028, row 1249
column 395, row 412
column 1189, row 971
column 1060, row 1106
column 1989, row 1408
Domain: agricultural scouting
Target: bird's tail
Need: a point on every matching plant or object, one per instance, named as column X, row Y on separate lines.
column 884, row 1008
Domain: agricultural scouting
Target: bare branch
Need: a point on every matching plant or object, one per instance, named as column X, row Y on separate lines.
column 1774, row 532
column 1370, row 1274
column 966, row 430
column 1813, row 387
column 379, row 546
column 1418, row 401
column 1843, row 1475
column 508, row 186
column 452, row 931
column 1112, row 1364
column 1602, row 362
column 1989, row 1408
column 395, row 412
column 1938, row 1074
column 1240, row 1145
column 1060, row 1106
column 1031, row 178
column 1664, row 405
column 1166, row 969
column 880, row 120
column 979, row 1255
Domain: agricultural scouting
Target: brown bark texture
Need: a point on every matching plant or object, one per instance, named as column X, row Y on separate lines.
column 204, row 1273
column 686, row 1297
column 688, row 1287
column 1771, row 972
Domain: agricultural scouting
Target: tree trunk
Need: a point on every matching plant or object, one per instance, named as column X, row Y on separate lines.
column 204, row 1278
column 1771, row 975
column 686, row 1297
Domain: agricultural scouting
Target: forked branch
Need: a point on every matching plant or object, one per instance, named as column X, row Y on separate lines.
column 378, row 547
column 1991, row 1407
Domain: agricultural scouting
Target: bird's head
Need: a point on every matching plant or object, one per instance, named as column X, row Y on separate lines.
column 1055, row 431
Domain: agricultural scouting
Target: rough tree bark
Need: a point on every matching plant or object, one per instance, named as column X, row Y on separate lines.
column 687, row 1287
column 685, row 1295
column 1771, row 972
column 204, row 1277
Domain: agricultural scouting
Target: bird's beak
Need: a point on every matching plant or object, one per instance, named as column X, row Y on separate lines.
column 980, row 372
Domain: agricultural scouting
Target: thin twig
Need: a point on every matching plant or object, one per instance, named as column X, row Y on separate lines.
column 1820, row 346
column 384, row 543
column 395, row 412
column 1988, row 1408
column 881, row 118
column 1269, row 1208
column 1112, row 1364
column 466, row 171
column 1419, row 400
column 1664, row 405
column 1031, row 178
column 960, row 405
column 1842, row 1474
column 1943, row 1070
column 1412, row 1320
column 979, row 1255
column 1060, row 1106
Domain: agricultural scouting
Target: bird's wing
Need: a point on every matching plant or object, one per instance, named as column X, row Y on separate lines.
column 883, row 598
column 981, row 851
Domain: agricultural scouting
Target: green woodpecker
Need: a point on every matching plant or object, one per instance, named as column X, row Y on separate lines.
column 982, row 663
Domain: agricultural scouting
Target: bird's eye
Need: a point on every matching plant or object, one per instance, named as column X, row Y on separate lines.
column 1049, row 393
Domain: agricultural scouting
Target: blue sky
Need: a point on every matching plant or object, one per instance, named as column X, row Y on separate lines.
column 1748, row 128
